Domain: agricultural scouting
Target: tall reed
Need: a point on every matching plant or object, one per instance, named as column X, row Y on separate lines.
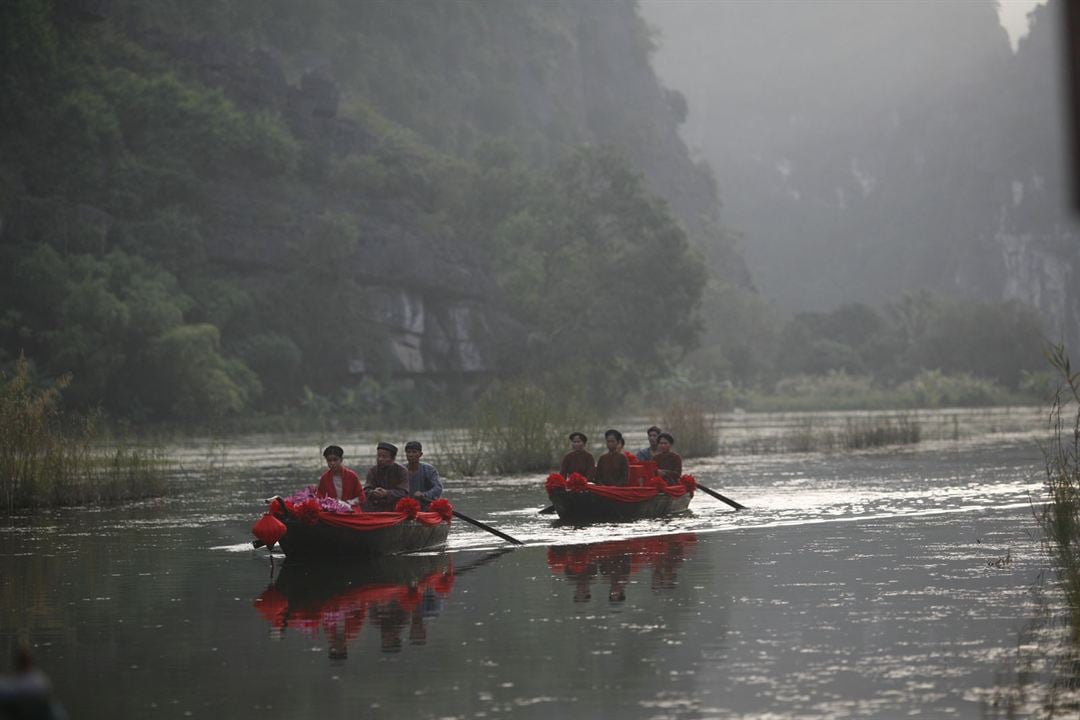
column 51, row 458
column 1060, row 518
column 695, row 432
column 513, row 428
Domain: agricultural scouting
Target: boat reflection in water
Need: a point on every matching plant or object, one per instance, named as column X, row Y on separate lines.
column 335, row 601
column 618, row 560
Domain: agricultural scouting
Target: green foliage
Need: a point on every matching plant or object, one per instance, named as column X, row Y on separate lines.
column 588, row 262
column 194, row 381
column 933, row 389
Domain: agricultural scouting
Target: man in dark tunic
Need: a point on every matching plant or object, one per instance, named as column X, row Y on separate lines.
column 386, row 481
column 578, row 460
column 668, row 462
column 612, row 467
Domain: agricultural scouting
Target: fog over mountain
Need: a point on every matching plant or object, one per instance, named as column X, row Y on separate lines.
column 867, row 149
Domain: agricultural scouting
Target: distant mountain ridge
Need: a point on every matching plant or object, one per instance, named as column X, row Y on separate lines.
column 869, row 149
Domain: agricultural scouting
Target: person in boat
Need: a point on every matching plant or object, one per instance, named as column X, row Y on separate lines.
column 339, row 481
column 668, row 462
column 612, row 467
column 386, row 482
column 647, row 453
column 424, row 483
column 578, row 460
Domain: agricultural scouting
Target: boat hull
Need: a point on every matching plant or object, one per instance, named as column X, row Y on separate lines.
column 322, row 540
column 586, row 507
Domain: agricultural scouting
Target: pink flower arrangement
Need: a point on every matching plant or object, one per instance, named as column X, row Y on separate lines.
column 555, row 481
column 324, row 504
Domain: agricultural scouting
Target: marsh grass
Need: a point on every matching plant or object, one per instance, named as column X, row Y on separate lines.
column 695, row 432
column 821, row 433
column 513, row 428
column 50, row 458
column 1060, row 517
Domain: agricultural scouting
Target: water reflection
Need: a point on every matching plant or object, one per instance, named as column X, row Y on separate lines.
column 398, row 596
column 617, row 560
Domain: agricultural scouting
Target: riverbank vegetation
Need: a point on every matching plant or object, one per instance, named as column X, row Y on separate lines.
column 1060, row 518
column 203, row 232
column 49, row 457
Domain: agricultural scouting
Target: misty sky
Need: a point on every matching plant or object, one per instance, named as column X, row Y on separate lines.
column 1013, row 14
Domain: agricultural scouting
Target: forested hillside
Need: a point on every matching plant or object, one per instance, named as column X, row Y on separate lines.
column 213, row 208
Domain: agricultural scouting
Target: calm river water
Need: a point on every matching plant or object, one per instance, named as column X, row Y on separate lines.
column 881, row 583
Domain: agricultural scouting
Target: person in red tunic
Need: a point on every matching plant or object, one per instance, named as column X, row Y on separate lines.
column 386, row 482
column 578, row 460
column 612, row 467
column 668, row 462
column 339, row 481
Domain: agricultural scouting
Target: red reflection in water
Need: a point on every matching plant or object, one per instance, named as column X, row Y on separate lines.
column 318, row 603
column 618, row 560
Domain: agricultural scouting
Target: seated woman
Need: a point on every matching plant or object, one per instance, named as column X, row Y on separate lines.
column 339, row 481
column 612, row 467
column 386, row 481
column 668, row 462
column 578, row 460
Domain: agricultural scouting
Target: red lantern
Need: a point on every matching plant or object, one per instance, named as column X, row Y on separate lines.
column 269, row 530
column 690, row 482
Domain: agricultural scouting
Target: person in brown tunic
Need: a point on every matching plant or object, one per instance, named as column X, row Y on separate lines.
column 668, row 462
column 578, row 460
column 386, row 481
column 612, row 467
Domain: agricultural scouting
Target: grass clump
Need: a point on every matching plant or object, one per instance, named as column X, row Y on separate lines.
column 1060, row 518
column 695, row 431
column 513, row 428
column 49, row 458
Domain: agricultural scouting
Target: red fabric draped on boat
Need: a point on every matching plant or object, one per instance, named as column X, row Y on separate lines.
column 634, row 494
column 377, row 520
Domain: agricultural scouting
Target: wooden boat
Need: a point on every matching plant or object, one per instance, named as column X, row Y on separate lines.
column 579, row 501
column 304, row 529
column 589, row 507
column 321, row 539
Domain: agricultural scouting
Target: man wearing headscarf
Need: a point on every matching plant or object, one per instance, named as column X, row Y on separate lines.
column 386, row 481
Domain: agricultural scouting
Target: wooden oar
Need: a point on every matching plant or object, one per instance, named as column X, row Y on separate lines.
column 490, row 529
column 720, row 497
